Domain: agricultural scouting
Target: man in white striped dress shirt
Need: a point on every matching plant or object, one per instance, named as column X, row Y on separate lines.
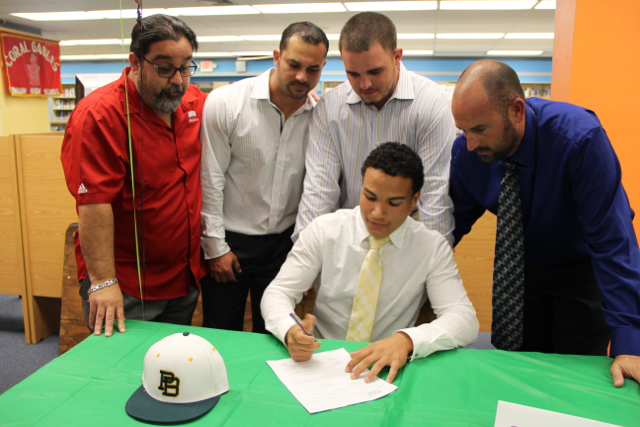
column 254, row 137
column 381, row 102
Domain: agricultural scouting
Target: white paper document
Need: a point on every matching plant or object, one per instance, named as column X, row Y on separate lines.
column 514, row 415
column 321, row 383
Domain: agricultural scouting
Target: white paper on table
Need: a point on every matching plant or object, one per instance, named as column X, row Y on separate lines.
column 321, row 383
column 514, row 415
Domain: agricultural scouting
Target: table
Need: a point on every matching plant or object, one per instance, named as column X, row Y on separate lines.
column 90, row 384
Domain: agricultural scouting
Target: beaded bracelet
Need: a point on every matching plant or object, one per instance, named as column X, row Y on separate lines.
column 102, row 285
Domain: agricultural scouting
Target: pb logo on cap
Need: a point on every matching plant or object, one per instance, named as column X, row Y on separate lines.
column 183, row 378
column 169, row 384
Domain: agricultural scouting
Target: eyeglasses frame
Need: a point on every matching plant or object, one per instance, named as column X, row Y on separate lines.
column 192, row 67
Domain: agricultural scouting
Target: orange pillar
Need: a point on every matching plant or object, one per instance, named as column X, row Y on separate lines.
column 596, row 64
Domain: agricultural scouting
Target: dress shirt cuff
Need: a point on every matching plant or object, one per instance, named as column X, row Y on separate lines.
column 283, row 327
column 426, row 344
column 625, row 341
column 214, row 247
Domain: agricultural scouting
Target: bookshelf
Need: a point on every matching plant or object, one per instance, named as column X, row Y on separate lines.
column 60, row 107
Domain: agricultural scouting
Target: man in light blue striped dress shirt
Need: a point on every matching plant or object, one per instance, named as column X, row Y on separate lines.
column 254, row 137
column 381, row 102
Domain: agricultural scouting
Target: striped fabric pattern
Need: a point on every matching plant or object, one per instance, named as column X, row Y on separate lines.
column 252, row 163
column 344, row 130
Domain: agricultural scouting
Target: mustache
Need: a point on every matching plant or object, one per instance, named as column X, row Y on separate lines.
column 173, row 91
column 296, row 82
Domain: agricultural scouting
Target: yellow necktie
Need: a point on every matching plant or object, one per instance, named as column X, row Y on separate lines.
column 365, row 301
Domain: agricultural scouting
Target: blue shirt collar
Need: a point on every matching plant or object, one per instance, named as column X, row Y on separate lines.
column 525, row 153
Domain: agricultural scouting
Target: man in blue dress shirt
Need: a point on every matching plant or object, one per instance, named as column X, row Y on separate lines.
column 582, row 263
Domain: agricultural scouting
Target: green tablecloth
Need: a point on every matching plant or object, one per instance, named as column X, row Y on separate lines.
column 89, row 386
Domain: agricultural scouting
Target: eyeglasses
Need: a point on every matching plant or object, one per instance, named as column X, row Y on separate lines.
column 171, row 71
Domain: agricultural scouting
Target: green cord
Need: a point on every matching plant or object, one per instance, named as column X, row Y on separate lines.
column 133, row 186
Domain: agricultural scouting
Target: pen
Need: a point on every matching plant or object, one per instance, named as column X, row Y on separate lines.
column 293, row 316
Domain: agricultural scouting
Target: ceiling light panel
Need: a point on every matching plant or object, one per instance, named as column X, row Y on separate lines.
column 529, row 36
column 258, row 53
column 514, row 52
column 116, row 14
column 130, row 13
column 486, row 5
column 267, row 38
column 213, row 10
column 58, row 16
column 546, row 5
column 218, row 39
column 93, row 57
column 416, row 52
column 381, row 6
column 470, row 36
column 425, row 36
column 92, row 15
column 94, row 42
column 300, row 8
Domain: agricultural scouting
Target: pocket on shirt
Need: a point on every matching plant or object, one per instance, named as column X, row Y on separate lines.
column 158, row 166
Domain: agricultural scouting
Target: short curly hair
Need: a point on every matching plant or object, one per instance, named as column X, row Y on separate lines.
column 395, row 159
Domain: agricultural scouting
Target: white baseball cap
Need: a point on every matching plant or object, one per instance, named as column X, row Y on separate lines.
column 183, row 378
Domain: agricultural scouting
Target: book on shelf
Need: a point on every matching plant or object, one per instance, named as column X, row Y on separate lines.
column 69, row 92
column 64, row 103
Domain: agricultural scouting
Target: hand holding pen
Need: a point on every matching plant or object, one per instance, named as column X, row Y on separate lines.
column 300, row 342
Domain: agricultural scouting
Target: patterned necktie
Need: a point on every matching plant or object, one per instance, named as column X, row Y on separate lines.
column 365, row 301
column 508, row 270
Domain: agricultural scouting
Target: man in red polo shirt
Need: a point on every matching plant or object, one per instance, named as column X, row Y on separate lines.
column 164, row 112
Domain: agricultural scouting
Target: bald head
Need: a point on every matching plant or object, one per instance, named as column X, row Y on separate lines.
column 493, row 80
column 488, row 107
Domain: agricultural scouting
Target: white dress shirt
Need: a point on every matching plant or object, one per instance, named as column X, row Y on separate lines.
column 252, row 163
column 417, row 263
column 344, row 130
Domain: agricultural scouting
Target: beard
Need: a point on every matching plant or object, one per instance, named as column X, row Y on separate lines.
column 383, row 93
column 384, row 90
column 286, row 88
column 169, row 99
column 508, row 142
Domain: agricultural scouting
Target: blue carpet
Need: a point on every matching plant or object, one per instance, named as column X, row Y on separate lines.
column 17, row 359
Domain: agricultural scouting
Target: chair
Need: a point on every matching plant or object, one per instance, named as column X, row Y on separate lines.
column 72, row 326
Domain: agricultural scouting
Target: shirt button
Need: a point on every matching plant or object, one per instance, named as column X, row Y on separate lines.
column 377, row 143
column 379, row 115
column 181, row 161
column 190, row 211
column 187, row 185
